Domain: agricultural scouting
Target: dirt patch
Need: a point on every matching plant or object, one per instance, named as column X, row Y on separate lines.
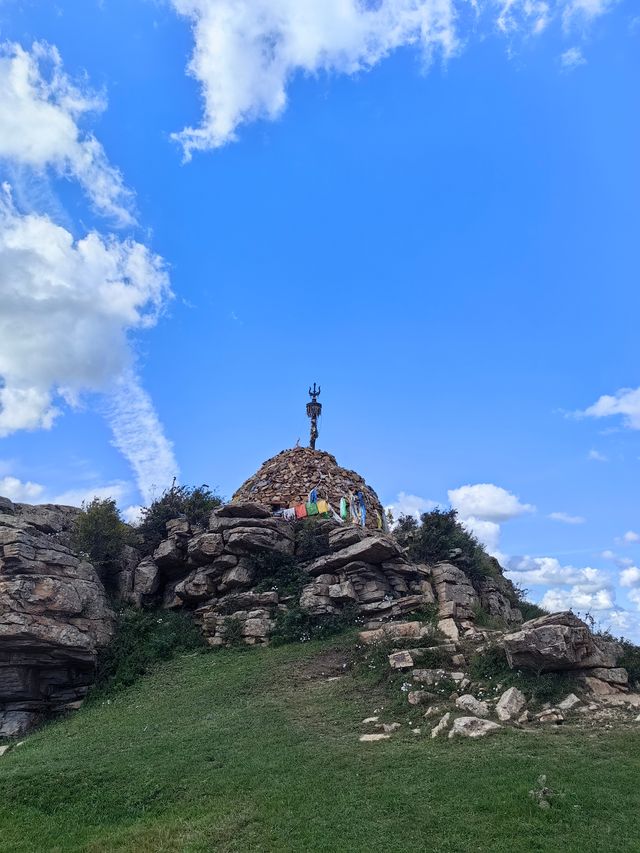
column 330, row 664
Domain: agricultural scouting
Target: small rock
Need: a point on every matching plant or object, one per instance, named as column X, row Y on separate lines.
column 509, row 704
column 390, row 727
column 431, row 711
column 368, row 720
column 4, row 749
column 449, row 628
column 637, row 719
column 569, row 702
column 472, row 705
column 400, row 660
column 441, row 726
column 525, row 717
column 551, row 715
column 372, row 738
column 418, row 697
column 473, row 727
column 416, row 731
column 458, row 660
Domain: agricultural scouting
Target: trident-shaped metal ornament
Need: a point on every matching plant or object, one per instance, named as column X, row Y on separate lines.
column 314, row 410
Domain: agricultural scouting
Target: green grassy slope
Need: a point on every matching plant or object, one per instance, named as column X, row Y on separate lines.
column 256, row 750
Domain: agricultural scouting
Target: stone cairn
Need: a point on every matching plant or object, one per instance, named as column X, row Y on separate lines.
column 286, row 480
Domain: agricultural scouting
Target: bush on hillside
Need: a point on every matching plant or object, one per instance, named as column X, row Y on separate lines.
column 191, row 502
column 101, row 533
column 436, row 535
column 630, row 660
column 278, row 571
column 296, row 626
column 142, row 639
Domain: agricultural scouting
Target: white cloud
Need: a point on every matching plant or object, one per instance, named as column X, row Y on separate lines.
column 117, row 490
column 412, row 505
column 530, row 15
column 487, row 502
column 67, row 306
column 487, row 533
column 138, row 434
column 565, row 518
column 621, row 562
column 630, row 576
column 547, row 571
column 577, row 598
column 631, row 536
column 596, row 456
column 19, row 491
column 625, row 402
column 572, row 58
column 634, row 596
column 40, row 114
column 246, row 54
column 585, row 10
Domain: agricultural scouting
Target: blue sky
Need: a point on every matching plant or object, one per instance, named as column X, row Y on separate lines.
column 430, row 207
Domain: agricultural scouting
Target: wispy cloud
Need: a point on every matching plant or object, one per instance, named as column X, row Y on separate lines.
column 40, row 110
column 572, row 58
column 597, row 456
column 565, row 518
column 139, row 436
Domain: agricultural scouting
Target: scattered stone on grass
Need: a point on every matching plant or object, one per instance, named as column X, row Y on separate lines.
column 472, row 705
column 473, row 727
column 510, row 704
column 550, row 715
column 390, row 727
column 368, row 720
column 373, row 738
column 4, row 749
column 400, row 660
column 569, row 702
column 441, row 726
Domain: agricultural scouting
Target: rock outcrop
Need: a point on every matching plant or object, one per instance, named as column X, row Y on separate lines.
column 54, row 616
column 557, row 642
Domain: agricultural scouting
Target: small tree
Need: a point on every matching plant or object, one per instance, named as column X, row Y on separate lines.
column 191, row 502
column 101, row 533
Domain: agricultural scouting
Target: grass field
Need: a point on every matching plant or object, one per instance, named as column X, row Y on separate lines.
column 257, row 750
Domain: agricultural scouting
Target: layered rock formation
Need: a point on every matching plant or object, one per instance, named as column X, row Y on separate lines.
column 286, row 480
column 54, row 616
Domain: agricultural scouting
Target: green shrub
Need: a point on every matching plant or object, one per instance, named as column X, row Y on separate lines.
column 143, row 638
column 296, row 626
column 437, row 534
column 483, row 619
column 101, row 533
column 311, row 538
column 279, row 572
column 191, row 502
column 630, row 660
column 233, row 632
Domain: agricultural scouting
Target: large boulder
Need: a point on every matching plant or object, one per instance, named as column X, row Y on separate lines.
column 373, row 549
column 54, row 616
column 558, row 641
column 457, row 599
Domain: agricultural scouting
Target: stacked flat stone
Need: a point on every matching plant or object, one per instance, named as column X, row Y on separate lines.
column 54, row 616
column 286, row 480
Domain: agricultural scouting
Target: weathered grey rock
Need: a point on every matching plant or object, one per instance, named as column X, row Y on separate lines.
column 170, row 556
column 614, row 675
column 204, row 548
column 389, row 728
column 550, row 716
column 559, row 641
column 146, row 582
column 376, row 548
column 419, row 697
column 251, row 540
column 54, row 616
column 454, row 591
column 246, row 509
column 345, row 536
column 494, row 599
column 396, row 631
column 472, row 705
column 441, row 725
column 473, row 727
column 510, row 704
column 400, row 660
column 4, row 750
column 569, row 702
column 372, row 738
column 449, row 628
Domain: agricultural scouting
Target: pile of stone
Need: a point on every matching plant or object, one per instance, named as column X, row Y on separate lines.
column 54, row 616
column 287, row 479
